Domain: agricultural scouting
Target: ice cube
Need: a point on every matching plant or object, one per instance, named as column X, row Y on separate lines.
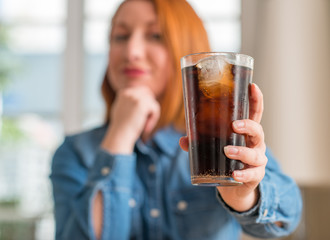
column 215, row 76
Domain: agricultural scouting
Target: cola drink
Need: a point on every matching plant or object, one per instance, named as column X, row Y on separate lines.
column 216, row 94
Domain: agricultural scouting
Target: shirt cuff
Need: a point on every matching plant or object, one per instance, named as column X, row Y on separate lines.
column 242, row 217
column 262, row 212
column 118, row 167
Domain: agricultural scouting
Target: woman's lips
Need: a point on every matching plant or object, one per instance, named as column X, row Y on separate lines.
column 134, row 72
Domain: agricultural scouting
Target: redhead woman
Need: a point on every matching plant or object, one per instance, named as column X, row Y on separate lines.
column 130, row 178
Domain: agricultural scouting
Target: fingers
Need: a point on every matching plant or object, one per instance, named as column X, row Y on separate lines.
column 135, row 111
column 250, row 156
column 256, row 104
column 184, row 143
column 252, row 129
column 254, row 154
column 254, row 158
column 249, row 175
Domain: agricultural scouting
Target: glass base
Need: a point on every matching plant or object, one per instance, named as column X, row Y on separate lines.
column 215, row 181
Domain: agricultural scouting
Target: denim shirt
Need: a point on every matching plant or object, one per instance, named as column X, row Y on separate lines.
column 148, row 194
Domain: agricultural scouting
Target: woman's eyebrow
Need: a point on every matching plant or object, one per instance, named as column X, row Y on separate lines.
column 120, row 25
column 152, row 24
column 124, row 24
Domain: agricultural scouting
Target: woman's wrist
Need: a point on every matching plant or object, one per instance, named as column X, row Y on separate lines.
column 241, row 204
column 118, row 141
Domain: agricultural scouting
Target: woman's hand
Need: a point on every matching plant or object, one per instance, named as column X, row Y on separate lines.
column 244, row 197
column 135, row 112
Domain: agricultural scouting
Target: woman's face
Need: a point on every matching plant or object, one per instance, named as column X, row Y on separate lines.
column 138, row 56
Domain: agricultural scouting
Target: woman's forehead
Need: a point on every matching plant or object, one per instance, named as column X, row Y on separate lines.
column 136, row 11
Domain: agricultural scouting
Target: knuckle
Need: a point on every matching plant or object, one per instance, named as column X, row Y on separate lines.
column 263, row 149
column 240, row 151
column 256, row 161
column 265, row 160
column 261, row 159
column 256, row 175
column 258, row 127
column 261, row 129
column 251, row 175
column 259, row 174
column 247, row 122
column 262, row 175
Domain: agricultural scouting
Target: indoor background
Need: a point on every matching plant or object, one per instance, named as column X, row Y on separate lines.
column 53, row 56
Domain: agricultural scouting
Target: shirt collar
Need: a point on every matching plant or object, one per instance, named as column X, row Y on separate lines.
column 167, row 139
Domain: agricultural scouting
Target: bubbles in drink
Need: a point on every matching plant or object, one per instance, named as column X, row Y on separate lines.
column 215, row 76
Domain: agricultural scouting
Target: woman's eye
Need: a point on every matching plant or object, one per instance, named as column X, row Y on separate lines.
column 120, row 37
column 156, row 36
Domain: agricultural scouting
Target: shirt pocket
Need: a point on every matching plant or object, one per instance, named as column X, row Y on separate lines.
column 197, row 214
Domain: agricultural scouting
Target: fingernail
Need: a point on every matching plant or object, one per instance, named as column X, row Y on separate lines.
column 238, row 174
column 256, row 85
column 239, row 124
column 230, row 150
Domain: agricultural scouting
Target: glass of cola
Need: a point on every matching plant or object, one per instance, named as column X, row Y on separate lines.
column 216, row 93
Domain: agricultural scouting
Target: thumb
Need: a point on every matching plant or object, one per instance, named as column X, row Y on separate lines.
column 184, row 143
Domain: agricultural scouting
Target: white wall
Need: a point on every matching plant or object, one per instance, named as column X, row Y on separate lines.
column 290, row 41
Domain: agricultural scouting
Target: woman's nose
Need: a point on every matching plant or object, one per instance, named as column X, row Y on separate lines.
column 135, row 47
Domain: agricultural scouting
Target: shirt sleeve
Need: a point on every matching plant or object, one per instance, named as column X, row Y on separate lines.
column 280, row 200
column 74, row 188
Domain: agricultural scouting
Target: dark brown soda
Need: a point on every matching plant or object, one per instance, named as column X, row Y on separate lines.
column 212, row 128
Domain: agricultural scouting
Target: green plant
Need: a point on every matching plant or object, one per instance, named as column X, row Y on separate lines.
column 7, row 63
column 4, row 68
column 10, row 132
column 12, row 202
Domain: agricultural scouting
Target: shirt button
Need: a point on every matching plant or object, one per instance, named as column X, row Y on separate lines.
column 132, row 203
column 154, row 213
column 182, row 205
column 265, row 212
column 152, row 168
column 105, row 171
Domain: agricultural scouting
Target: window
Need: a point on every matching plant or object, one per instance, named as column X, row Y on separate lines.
column 43, row 38
column 30, row 119
column 222, row 22
column 36, row 30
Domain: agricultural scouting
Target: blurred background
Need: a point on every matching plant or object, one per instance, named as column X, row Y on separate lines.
column 53, row 56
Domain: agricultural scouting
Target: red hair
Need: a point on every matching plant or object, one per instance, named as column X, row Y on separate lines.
column 183, row 33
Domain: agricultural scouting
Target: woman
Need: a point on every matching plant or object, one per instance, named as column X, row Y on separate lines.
column 130, row 179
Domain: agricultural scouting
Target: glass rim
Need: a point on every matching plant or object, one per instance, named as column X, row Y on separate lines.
column 242, row 56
